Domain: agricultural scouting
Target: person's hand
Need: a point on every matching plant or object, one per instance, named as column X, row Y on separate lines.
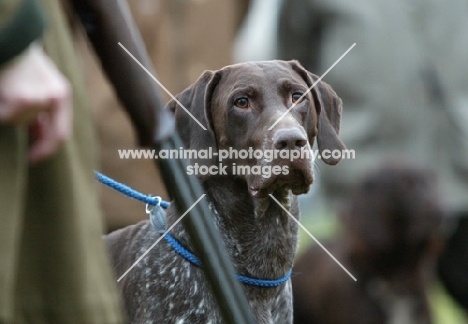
column 34, row 94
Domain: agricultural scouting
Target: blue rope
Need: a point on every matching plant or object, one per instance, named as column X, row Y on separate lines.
column 264, row 282
column 120, row 187
column 176, row 245
column 179, row 248
column 189, row 256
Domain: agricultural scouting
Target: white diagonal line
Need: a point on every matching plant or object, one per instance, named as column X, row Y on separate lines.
column 313, row 237
column 159, row 239
column 162, row 86
column 315, row 83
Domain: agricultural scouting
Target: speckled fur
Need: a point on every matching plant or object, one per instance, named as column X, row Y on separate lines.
column 165, row 288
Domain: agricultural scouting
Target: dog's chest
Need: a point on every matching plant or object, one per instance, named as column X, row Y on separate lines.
column 398, row 308
column 166, row 288
column 171, row 290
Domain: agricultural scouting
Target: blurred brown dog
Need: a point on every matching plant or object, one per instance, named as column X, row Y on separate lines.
column 390, row 240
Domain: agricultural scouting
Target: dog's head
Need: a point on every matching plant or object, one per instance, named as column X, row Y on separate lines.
column 395, row 214
column 244, row 110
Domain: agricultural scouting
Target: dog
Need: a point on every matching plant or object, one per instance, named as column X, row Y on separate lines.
column 237, row 105
column 390, row 240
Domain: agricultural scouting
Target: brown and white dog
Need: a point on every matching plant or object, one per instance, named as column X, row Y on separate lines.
column 237, row 105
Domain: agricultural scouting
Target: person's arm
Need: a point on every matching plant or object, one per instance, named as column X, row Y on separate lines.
column 21, row 23
column 33, row 93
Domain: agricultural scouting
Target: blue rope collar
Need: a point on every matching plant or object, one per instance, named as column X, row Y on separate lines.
column 189, row 256
column 157, row 217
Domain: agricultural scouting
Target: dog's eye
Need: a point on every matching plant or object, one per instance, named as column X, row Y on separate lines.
column 242, row 103
column 296, row 96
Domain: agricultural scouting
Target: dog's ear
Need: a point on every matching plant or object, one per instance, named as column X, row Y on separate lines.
column 329, row 108
column 192, row 110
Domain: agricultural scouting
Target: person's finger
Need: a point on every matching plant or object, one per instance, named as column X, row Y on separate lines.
column 4, row 111
column 62, row 120
column 41, row 142
column 22, row 112
column 51, row 130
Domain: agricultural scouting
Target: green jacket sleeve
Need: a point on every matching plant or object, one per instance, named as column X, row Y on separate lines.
column 21, row 22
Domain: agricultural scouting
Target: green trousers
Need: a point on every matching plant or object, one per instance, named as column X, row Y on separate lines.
column 53, row 264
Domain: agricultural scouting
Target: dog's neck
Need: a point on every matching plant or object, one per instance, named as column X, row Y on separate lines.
column 259, row 235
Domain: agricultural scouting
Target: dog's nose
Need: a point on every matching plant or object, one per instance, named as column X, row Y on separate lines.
column 289, row 139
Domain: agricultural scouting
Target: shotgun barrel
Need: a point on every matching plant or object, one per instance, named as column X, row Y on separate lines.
column 108, row 22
